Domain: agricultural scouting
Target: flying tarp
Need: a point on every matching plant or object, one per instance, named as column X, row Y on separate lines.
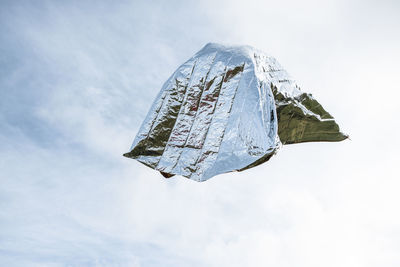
column 228, row 108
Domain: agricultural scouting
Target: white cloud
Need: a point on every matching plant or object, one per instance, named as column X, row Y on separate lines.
column 77, row 81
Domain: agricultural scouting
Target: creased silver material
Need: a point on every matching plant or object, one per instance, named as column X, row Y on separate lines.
column 217, row 113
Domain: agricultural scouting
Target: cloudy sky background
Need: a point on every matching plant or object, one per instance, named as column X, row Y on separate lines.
column 77, row 78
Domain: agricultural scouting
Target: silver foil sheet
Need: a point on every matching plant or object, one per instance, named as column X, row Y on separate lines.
column 220, row 111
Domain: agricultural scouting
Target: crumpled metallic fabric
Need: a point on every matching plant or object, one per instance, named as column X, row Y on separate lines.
column 228, row 108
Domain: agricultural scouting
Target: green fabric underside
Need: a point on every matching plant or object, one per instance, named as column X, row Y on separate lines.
column 296, row 126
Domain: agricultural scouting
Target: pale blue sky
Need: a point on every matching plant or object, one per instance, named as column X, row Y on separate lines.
column 77, row 78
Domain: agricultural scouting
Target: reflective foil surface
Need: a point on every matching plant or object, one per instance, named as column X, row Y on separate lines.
column 222, row 111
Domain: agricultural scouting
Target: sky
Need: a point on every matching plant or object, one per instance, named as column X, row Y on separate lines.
column 77, row 79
